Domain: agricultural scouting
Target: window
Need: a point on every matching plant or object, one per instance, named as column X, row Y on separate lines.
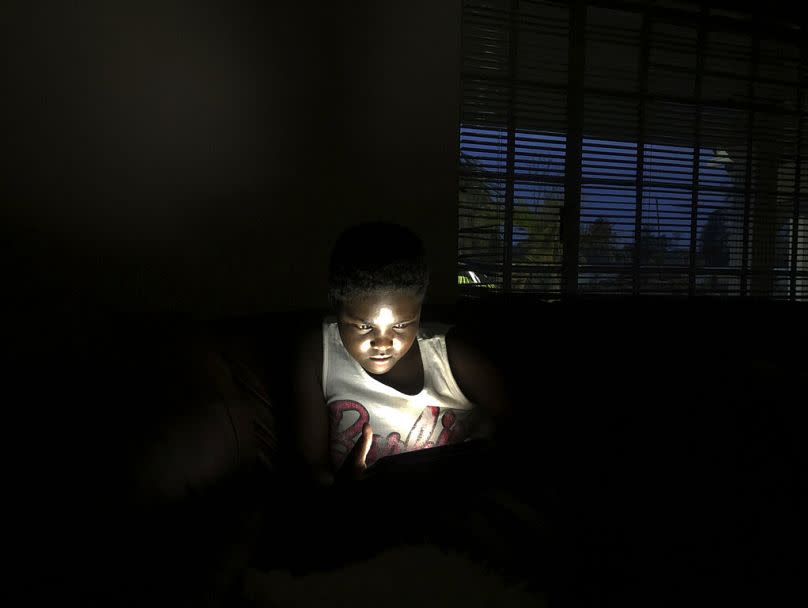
column 632, row 148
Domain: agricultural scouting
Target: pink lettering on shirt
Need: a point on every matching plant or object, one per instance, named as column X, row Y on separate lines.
column 452, row 430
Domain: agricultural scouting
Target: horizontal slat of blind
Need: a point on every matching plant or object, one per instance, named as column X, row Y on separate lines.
column 612, row 40
column 543, row 33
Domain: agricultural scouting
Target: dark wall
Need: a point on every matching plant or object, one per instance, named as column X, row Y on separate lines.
column 157, row 148
column 401, row 80
column 201, row 157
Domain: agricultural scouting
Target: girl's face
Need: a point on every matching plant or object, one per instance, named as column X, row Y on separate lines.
column 378, row 330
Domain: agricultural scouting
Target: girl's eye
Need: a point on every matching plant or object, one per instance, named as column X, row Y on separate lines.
column 400, row 326
column 363, row 327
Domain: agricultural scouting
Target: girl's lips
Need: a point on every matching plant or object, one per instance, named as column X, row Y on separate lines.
column 381, row 359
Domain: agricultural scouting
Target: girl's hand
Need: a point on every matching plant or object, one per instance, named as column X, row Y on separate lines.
column 354, row 466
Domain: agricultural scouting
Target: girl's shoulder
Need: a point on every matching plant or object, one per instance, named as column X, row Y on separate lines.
column 432, row 329
column 309, row 352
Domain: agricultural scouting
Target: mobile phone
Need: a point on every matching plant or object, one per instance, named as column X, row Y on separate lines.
column 469, row 455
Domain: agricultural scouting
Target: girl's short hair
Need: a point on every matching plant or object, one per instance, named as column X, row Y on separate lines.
column 375, row 257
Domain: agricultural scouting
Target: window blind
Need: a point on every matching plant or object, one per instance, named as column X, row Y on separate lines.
column 632, row 148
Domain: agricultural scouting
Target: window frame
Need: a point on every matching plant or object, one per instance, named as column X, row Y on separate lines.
column 706, row 20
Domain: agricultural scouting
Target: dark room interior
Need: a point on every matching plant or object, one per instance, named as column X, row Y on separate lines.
column 613, row 195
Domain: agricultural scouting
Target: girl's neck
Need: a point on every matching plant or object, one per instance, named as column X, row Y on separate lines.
column 408, row 375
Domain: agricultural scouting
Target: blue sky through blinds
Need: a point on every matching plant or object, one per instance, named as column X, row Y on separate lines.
column 609, row 180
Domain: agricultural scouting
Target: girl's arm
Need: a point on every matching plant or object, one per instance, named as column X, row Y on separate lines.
column 478, row 378
column 310, row 416
column 311, row 424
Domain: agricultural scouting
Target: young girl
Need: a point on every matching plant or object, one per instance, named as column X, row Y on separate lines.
column 374, row 381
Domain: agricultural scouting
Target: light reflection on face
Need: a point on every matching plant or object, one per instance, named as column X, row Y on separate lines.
column 380, row 329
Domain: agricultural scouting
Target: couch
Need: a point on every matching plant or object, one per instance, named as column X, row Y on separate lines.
column 659, row 440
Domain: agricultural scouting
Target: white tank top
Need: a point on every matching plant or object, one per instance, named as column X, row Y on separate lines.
column 440, row 414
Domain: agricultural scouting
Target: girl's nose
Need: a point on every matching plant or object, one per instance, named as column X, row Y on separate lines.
column 381, row 341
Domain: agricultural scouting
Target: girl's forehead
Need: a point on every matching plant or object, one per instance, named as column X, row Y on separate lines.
column 384, row 307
